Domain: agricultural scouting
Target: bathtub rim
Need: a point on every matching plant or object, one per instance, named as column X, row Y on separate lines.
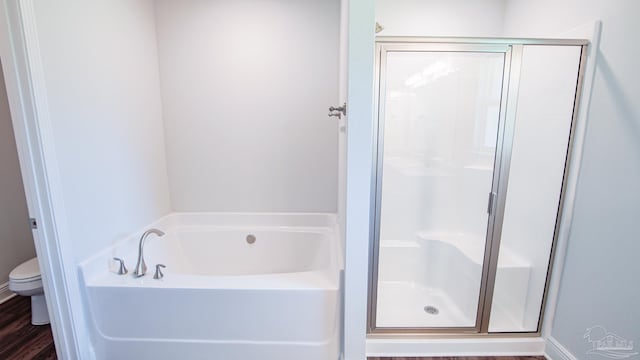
column 92, row 268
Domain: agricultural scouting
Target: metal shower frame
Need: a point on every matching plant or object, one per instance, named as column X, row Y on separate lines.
column 512, row 50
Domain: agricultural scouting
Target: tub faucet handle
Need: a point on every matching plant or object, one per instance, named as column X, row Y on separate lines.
column 123, row 269
column 159, row 275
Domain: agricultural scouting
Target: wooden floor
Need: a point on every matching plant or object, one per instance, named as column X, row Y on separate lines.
column 465, row 358
column 18, row 338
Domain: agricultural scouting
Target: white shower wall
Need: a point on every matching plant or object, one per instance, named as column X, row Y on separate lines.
column 245, row 90
column 437, row 172
column 544, row 115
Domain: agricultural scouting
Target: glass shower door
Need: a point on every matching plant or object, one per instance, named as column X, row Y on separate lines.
column 439, row 118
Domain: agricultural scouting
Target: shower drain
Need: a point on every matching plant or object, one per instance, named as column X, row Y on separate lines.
column 431, row 310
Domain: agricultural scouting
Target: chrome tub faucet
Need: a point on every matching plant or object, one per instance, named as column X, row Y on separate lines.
column 141, row 267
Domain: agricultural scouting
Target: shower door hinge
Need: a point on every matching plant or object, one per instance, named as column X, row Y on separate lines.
column 490, row 205
column 33, row 223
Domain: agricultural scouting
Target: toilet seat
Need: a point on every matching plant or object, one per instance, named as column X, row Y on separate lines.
column 28, row 271
column 25, row 279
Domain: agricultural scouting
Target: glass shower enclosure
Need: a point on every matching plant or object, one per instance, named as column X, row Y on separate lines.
column 446, row 126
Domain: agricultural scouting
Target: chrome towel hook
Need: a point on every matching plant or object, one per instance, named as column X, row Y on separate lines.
column 338, row 111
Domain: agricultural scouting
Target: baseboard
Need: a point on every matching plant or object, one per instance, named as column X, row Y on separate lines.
column 553, row 350
column 465, row 346
column 5, row 293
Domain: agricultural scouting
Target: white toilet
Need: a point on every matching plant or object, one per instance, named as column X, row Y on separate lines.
column 25, row 280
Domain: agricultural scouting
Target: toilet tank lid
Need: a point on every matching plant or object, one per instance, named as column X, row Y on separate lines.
column 27, row 270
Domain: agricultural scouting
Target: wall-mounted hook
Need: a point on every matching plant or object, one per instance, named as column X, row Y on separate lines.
column 338, row 111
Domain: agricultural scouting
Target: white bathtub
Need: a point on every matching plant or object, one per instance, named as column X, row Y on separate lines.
column 221, row 297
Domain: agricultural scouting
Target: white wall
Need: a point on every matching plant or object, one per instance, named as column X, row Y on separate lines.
column 440, row 18
column 103, row 90
column 246, row 86
column 602, row 257
column 102, row 133
column 16, row 241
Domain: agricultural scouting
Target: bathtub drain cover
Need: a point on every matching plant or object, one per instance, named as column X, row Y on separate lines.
column 251, row 239
column 431, row 310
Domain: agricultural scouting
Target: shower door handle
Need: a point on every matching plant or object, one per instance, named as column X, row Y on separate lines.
column 491, row 202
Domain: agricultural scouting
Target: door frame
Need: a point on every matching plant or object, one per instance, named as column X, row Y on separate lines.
column 26, row 91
